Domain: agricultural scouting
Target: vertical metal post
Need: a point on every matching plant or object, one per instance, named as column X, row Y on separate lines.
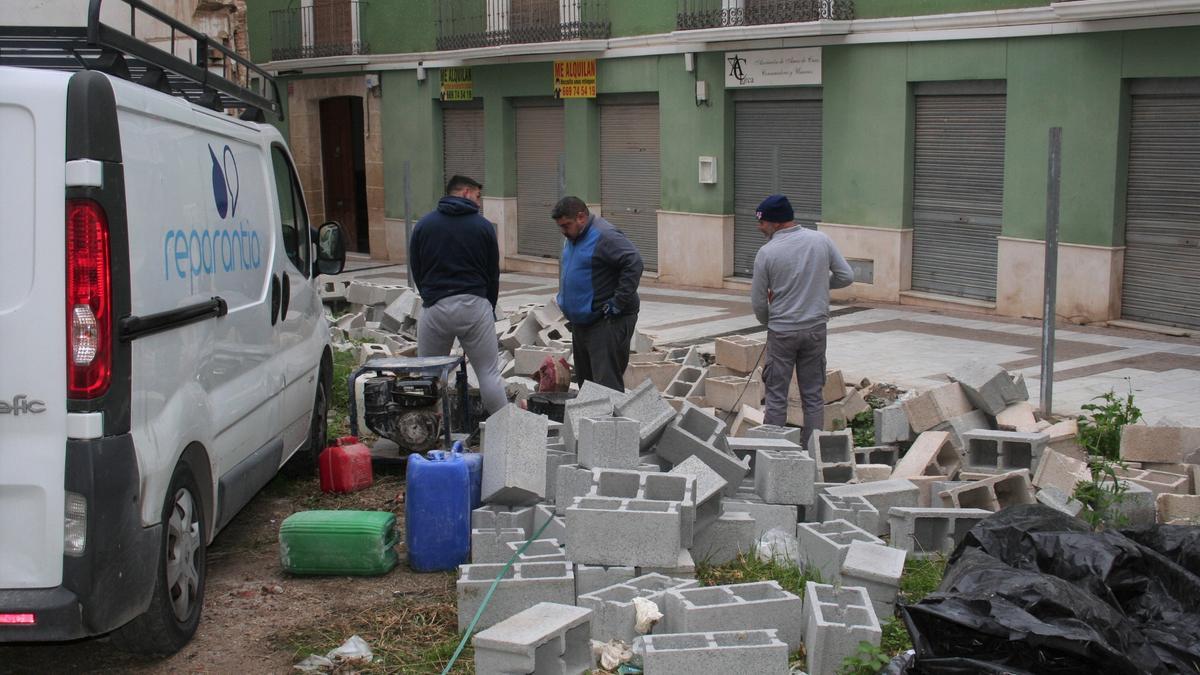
column 1053, row 182
column 562, row 176
column 408, row 222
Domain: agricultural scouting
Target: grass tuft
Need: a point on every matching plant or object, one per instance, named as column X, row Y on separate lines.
column 748, row 567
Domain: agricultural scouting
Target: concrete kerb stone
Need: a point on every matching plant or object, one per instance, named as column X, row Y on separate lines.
column 891, row 425
column 521, row 587
column 757, row 605
column 823, row 546
column 723, row 539
column 547, row 637
column 834, row 455
column 855, row 509
column 488, row 544
column 741, row 651
column 591, row 578
column 638, row 532
column 990, row 451
column 877, row 569
column 785, row 476
column 993, row 493
column 986, row 385
column 608, row 442
column 884, row 495
column 929, row 532
column 836, row 620
column 930, row 455
column 613, row 612
column 937, row 405
column 652, row 413
column 515, row 471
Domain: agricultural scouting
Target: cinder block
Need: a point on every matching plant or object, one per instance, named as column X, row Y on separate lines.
column 591, row 578
column 957, row 426
column 878, row 454
column 681, row 488
column 739, row 651
column 853, row 404
column 521, row 587
column 823, row 546
column 488, row 544
column 659, row 374
column 739, row 352
column 524, row 332
column 688, row 381
column 591, row 402
column 937, row 405
column 834, row 455
column 785, row 477
column 554, row 459
column 1138, row 507
column 925, row 485
column 555, row 335
column 572, row 481
column 351, row 321
column 369, row 351
column 684, row 567
column 998, row 451
column 930, row 455
column 876, row 569
column 883, row 495
column 1060, row 471
column 724, row 538
column 498, row 516
column 695, row 433
column 1017, row 417
column 993, row 493
column 1178, row 509
column 652, row 413
column 870, row 473
column 757, row 605
column 557, row 529
column 613, row 612
column 1163, row 444
column 792, row 434
column 891, row 425
column 929, row 532
column 834, row 388
column 854, row 509
column 1158, row 482
column 706, row 489
column 640, row 343
column 366, row 293
column 529, row 358
column 515, row 471
column 548, row 314
column 747, row 418
column 766, row 517
column 546, row 638
column 638, row 532
column 332, row 290
column 986, row 385
column 608, row 442
column 836, row 621
column 729, row 392
column 1059, row 501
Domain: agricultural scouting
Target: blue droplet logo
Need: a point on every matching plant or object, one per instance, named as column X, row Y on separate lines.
column 220, row 188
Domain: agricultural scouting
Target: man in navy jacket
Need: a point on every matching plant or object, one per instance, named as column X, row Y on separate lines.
column 455, row 264
column 597, row 290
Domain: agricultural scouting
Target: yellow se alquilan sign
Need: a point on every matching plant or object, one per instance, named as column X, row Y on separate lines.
column 457, row 84
column 575, row 79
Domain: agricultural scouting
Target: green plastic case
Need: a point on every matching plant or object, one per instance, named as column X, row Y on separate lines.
column 338, row 542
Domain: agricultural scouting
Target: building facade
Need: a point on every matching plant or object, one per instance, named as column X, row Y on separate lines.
column 916, row 133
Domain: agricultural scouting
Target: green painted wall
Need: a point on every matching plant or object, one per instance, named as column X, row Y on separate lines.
column 258, row 27
column 1173, row 52
column 412, row 132
column 874, row 9
column 958, row 60
column 582, row 128
column 390, row 27
column 689, row 131
column 641, row 17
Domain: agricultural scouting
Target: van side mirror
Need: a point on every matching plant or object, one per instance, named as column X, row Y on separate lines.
column 331, row 250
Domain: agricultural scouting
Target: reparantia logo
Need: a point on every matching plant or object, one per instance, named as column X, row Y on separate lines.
column 225, row 193
column 21, row 405
column 233, row 246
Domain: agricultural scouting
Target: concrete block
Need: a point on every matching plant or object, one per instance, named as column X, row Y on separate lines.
column 1159, row 443
column 1060, row 471
column 925, row 485
column 641, row 343
column 747, row 418
column 1178, row 509
column 557, row 529
column 400, row 310
column 577, row 409
column 891, row 425
column 792, row 434
column 332, row 290
column 823, row 546
column 554, row 459
column 706, row 489
column 993, row 493
column 729, row 392
column 368, row 351
column 366, row 293
column 883, row 495
column 648, row 357
column 834, row 455
column 784, row 476
column 688, row 382
column 757, row 605
column 548, row 314
column 836, row 620
column 724, row 538
column 957, row 426
column 986, row 385
column 684, row 567
column 766, row 517
column 529, row 358
column 515, row 471
column 930, row 455
column 854, row 509
column 538, row 550
column 1059, row 501
column 682, row 488
column 876, row 569
column 853, row 404
column 645, row 405
column 488, row 544
column 739, row 651
column 498, row 516
column 1158, row 482
column 739, row 352
column 613, row 613
column 990, row 451
column 608, row 442
column 869, row 473
column 887, row 455
column 1137, row 509
column 555, row 335
column 524, row 332
column 834, row 388
column 695, row 433
column 834, row 418
column 934, row 406
column 659, row 374
column 1017, row 417
column 638, row 532
column 572, row 481
column 929, row 532
column 591, row 578
column 521, row 587
column 546, row 638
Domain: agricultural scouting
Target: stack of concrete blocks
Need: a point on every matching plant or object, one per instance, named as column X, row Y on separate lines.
column 991, row 494
column 836, row 620
column 756, row 605
column 744, row 651
column 823, row 546
column 652, row 413
column 834, row 455
column 988, row 387
column 515, row 471
column 696, row 433
column 930, row 532
column 613, row 613
column 522, row 586
column 545, row 638
column 878, row 570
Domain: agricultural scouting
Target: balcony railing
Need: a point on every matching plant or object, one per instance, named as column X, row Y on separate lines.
column 694, row 14
column 320, row 28
column 463, row 24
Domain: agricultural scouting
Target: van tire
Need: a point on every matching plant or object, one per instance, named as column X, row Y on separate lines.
column 174, row 613
column 303, row 464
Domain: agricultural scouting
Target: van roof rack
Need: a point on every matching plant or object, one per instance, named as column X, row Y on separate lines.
column 99, row 46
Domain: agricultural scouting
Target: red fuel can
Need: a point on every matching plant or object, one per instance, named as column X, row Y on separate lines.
column 346, row 466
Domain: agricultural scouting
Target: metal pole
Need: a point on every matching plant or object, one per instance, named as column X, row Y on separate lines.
column 1053, row 183
column 407, row 222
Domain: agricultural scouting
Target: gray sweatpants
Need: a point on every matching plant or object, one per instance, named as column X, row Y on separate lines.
column 804, row 353
column 470, row 319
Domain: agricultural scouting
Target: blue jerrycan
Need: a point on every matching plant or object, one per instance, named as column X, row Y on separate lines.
column 474, row 462
column 437, row 511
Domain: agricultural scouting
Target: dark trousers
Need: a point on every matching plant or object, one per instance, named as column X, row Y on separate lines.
column 803, row 353
column 602, row 350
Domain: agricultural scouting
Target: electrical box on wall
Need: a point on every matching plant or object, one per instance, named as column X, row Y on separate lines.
column 701, row 91
column 708, row 170
column 372, row 80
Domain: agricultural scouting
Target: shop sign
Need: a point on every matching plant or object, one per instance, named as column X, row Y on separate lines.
column 457, row 84
column 773, row 68
column 575, row 79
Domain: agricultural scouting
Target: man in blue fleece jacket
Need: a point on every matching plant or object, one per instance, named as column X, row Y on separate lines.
column 598, row 278
column 454, row 260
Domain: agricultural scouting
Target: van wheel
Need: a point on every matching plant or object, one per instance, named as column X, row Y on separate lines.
column 303, row 464
column 174, row 613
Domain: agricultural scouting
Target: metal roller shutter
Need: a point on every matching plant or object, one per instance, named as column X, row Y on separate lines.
column 630, row 188
column 958, row 190
column 1162, row 213
column 539, row 184
column 777, row 149
column 462, row 143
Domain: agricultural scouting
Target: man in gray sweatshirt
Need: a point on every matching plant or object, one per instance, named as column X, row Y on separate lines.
column 793, row 273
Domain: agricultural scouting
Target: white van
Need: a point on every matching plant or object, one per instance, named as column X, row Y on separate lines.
column 163, row 350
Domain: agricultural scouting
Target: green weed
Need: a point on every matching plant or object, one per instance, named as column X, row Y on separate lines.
column 1100, row 425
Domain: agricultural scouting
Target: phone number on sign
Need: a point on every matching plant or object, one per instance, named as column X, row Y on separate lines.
column 577, row 91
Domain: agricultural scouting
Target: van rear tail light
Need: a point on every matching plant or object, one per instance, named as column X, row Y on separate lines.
column 75, row 524
column 17, row 619
column 89, row 300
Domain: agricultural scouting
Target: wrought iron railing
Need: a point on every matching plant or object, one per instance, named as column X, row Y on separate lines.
column 695, row 14
column 324, row 28
column 463, row 24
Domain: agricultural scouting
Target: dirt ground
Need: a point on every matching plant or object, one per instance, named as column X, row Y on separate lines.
column 255, row 616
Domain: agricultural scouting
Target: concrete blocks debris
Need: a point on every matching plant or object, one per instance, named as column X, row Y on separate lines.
column 515, row 471
column 706, row 489
column 834, row 388
column 613, row 613
column 608, row 442
column 739, row 651
column 688, row 381
column 498, row 516
column 878, row 454
column 488, row 544
column 723, row 539
column 728, row 392
column 1059, row 501
column 1137, row 508
column 373, row 350
column 521, row 587
column 930, row 455
column 538, row 550
column 545, row 638
column 1158, row 482
column 993, row 493
column 854, row 509
column 793, row 434
column 739, row 352
column 1060, row 471
column 1017, row 417
column 638, row 532
column 591, row 578
column 596, row 404
column 529, row 358
column 876, row 569
column 990, row 451
column 883, row 495
column 823, row 546
column 696, row 433
column 934, row 406
column 557, row 529
column 957, row 426
column 784, row 476
column 929, row 532
column 869, row 473
column 766, row 517
column 572, row 481
column 645, row 405
column 747, row 418
column 523, row 332
column 684, row 567
column 659, row 374
column 1178, row 509
column 834, row 454
column 836, row 620
column 891, row 425
column 1160, row 443
column 987, row 386
column 757, row 605
column 853, row 404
